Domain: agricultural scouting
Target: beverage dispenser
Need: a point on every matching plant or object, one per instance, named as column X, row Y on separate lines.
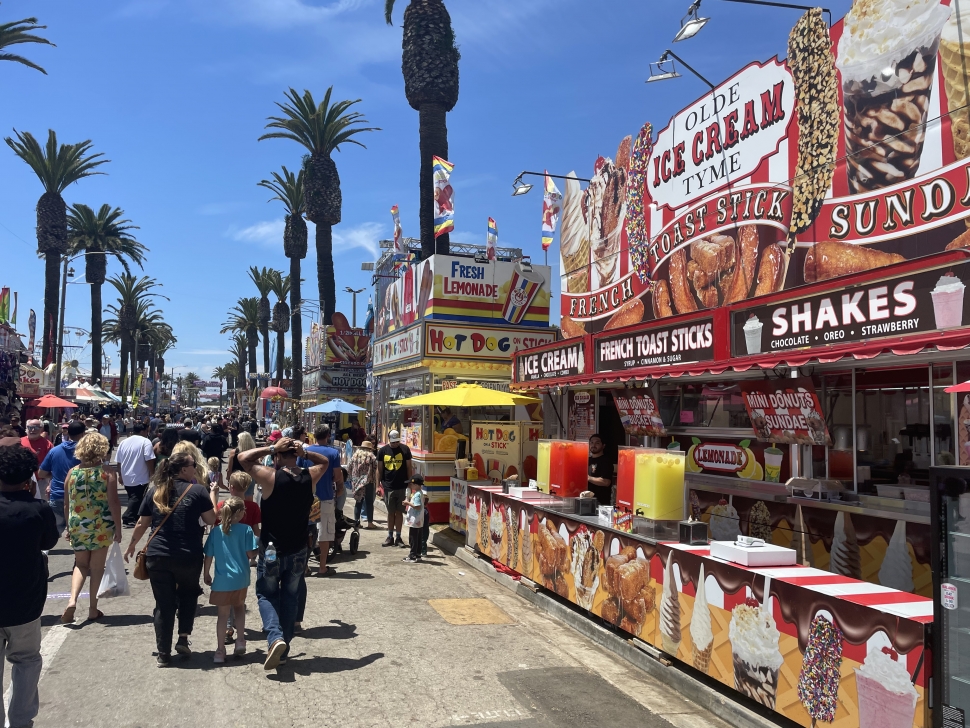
column 544, row 451
column 650, row 483
column 568, row 467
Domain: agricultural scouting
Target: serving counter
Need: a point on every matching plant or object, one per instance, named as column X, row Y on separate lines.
column 806, row 643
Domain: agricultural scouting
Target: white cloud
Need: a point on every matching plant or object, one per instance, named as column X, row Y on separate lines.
column 267, row 232
column 204, row 352
column 285, row 13
column 364, row 236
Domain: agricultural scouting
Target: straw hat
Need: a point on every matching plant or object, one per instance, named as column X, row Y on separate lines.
column 368, row 444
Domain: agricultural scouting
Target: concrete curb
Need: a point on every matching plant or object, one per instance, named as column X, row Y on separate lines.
column 695, row 689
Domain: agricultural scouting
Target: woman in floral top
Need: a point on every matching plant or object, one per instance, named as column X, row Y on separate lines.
column 93, row 514
column 363, row 477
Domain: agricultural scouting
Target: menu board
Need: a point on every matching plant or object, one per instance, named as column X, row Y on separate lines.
column 914, row 303
column 561, row 361
column 582, row 414
column 638, row 412
column 678, row 344
column 785, row 411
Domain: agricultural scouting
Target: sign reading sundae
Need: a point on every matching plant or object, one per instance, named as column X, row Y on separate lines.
column 848, row 156
column 785, row 411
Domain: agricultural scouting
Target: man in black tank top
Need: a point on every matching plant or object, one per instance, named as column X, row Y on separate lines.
column 287, row 499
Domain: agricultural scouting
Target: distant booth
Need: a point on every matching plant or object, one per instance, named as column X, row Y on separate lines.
column 451, row 320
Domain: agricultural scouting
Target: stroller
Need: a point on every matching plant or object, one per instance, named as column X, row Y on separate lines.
column 342, row 525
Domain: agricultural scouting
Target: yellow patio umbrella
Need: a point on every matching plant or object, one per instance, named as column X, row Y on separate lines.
column 466, row 395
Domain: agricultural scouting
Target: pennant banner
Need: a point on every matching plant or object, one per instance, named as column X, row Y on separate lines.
column 551, row 207
column 4, row 304
column 444, row 204
column 491, row 240
column 13, row 316
column 31, row 331
column 398, row 245
column 134, row 391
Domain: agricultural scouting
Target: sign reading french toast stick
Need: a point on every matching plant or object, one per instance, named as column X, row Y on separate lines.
column 906, row 304
column 690, row 341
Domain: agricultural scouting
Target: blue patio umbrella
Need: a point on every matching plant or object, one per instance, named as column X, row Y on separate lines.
column 334, row 406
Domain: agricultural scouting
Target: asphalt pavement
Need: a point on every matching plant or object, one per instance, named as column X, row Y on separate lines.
column 385, row 643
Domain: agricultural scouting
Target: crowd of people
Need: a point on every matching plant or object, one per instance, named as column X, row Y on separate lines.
column 174, row 475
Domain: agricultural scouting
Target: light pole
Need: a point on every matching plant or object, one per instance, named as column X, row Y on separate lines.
column 60, row 322
column 354, row 293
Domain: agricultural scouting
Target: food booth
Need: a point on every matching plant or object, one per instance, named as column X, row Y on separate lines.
column 778, row 298
column 451, row 320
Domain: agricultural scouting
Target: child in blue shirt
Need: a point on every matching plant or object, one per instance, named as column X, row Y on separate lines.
column 415, row 518
column 231, row 545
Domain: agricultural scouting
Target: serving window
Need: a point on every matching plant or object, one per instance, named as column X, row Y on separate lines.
column 708, row 405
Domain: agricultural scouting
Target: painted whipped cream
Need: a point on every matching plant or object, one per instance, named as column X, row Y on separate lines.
column 573, row 230
column 845, row 556
column 896, row 571
column 888, row 30
column 959, row 19
column 754, row 636
column 891, row 674
column 948, row 282
column 701, row 631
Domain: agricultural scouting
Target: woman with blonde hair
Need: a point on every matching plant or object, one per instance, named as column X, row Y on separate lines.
column 174, row 549
column 92, row 511
column 201, row 469
column 245, row 442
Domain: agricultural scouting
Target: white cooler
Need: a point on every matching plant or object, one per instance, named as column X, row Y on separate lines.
column 767, row 555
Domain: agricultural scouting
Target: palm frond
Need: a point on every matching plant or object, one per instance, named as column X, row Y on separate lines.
column 388, row 9
column 56, row 166
column 19, row 31
column 288, row 189
column 319, row 128
column 105, row 231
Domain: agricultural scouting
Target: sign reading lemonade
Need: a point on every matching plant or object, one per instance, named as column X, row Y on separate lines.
column 747, row 459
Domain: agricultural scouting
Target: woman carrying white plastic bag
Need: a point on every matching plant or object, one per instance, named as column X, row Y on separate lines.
column 115, row 581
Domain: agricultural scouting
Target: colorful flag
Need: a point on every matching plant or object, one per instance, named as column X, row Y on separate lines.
column 4, row 304
column 31, row 330
column 551, row 206
column 13, row 316
column 491, row 240
column 398, row 245
column 444, row 202
column 134, row 392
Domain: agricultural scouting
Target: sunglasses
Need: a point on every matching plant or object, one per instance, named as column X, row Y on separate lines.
column 189, row 465
column 33, row 428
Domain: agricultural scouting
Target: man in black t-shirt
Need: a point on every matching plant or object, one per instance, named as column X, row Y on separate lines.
column 600, row 477
column 394, row 470
column 287, row 499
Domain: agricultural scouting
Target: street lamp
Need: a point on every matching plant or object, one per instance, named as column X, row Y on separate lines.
column 691, row 24
column 60, row 322
column 520, row 188
column 664, row 73
column 354, row 292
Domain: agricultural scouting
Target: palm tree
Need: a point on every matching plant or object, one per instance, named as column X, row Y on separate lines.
column 240, row 348
column 133, row 312
column 19, row 32
column 280, row 286
column 289, row 189
column 56, row 166
column 262, row 279
column 98, row 235
column 288, row 367
column 321, row 130
column 222, row 375
column 430, row 68
column 190, row 389
column 232, row 372
column 244, row 318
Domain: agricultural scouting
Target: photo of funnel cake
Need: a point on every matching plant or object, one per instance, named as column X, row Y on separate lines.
column 887, row 58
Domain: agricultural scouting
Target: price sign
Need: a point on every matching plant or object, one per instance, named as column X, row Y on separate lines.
column 948, row 596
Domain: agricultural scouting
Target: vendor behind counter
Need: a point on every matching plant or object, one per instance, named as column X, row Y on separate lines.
column 601, row 467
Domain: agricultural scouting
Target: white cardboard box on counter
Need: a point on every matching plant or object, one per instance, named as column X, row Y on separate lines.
column 767, row 555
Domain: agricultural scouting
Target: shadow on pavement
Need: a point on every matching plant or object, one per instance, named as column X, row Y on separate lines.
column 58, row 576
column 125, row 620
column 336, row 630
column 298, row 665
column 337, row 574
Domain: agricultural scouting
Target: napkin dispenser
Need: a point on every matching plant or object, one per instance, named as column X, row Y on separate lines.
column 693, row 533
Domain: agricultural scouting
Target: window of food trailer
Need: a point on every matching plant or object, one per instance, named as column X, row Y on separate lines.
column 406, row 419
column 459, row 419
column 713, row 405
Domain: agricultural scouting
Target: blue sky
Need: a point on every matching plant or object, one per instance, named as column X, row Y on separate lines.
column 176, row 93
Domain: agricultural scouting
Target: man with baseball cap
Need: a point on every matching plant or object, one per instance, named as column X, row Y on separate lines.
column 394, row 470
column 56, row 465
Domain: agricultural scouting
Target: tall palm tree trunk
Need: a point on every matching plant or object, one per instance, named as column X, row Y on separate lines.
column 280, row 351
column 122, row 370
column 433, row 133
column 251, row 344
column 265, row 333
column 296, row 327
column 52, row 281
column 95, row 332
column 325, row 279
column 134, row 365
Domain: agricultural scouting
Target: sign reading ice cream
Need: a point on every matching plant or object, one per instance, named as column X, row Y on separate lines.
column 906, row 304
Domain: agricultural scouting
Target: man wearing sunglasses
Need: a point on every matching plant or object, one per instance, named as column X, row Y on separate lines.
column 35, row 441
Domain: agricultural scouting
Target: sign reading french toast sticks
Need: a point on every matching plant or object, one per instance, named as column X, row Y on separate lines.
column 685, row 343
column 851, row 154
column 918, row 302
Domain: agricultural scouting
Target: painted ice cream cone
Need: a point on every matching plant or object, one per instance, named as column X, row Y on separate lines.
column 670, row 632
column 818, row 681
column 896, row 571
column 845, row 556
column 756, row 657
column 955, row 64
column 574, row 238
column 701, row 628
